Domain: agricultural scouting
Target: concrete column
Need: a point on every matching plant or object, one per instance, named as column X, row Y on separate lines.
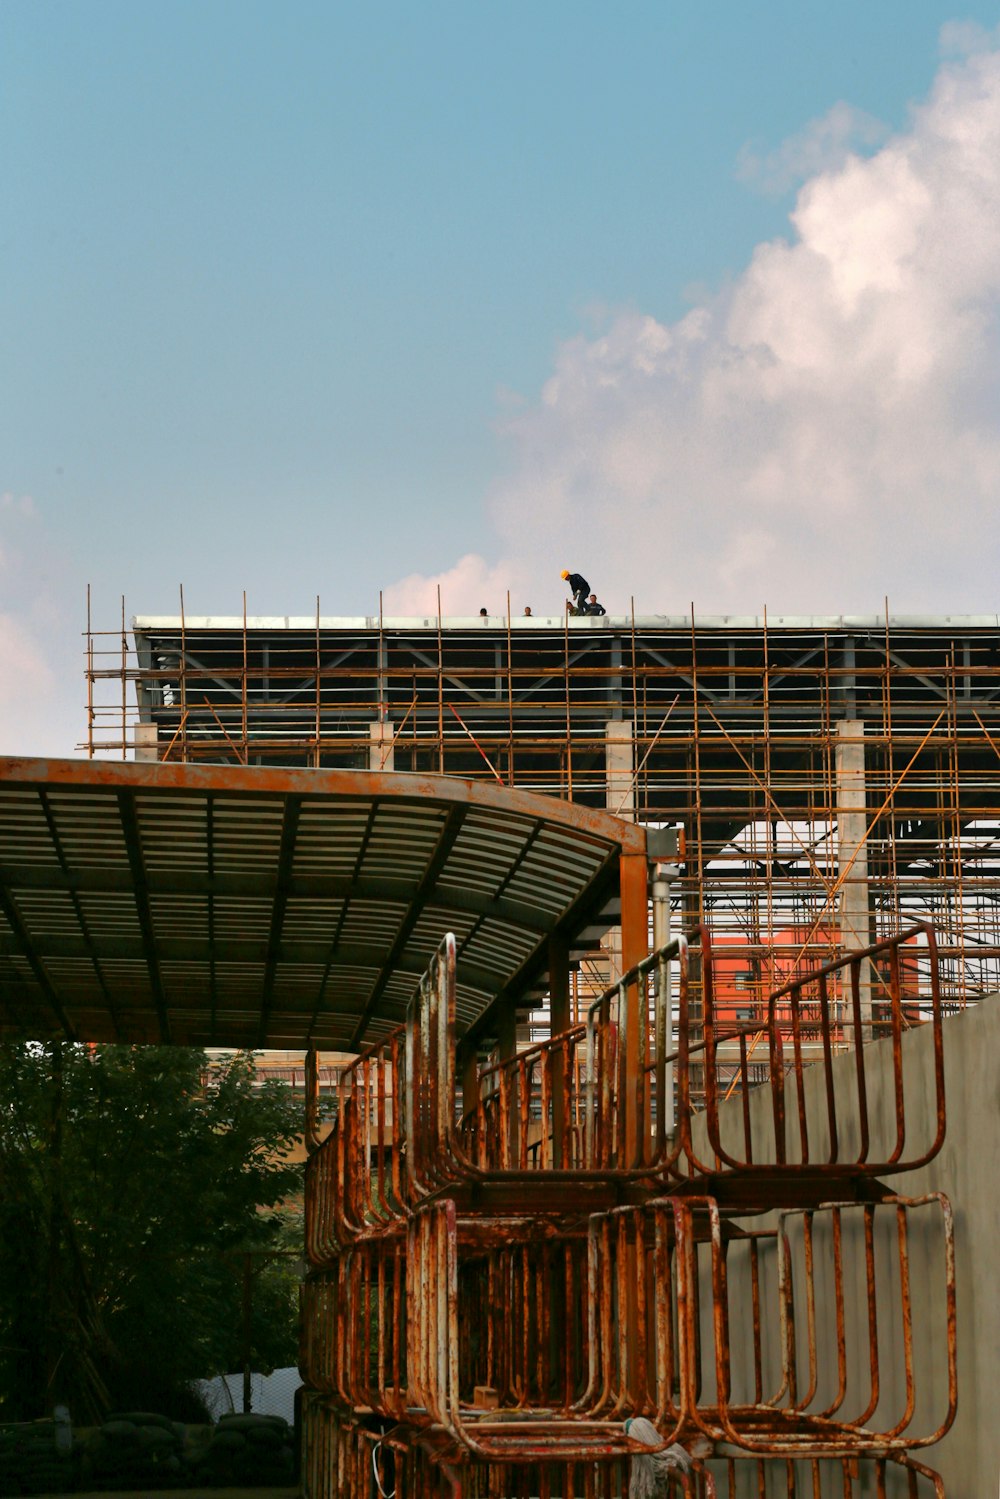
column 144, row 742
column 852, row 823
column 381, row 755
column 619, row 766
column 848, row 680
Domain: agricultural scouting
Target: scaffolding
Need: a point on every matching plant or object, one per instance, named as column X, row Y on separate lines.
column 835, row 778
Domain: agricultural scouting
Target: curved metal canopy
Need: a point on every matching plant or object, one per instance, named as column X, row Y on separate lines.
column 237, row 906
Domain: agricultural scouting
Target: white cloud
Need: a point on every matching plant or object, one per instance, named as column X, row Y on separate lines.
column 823, row 433
column 21, row 504
column 42, row 688
column 26, row 676
column 961, row 38
column 822, row 146
column 472, row 584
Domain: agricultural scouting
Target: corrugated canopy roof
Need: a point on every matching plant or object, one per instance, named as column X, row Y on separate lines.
column 235, row 906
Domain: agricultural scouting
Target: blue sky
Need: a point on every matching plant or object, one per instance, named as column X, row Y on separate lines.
column 284, row 292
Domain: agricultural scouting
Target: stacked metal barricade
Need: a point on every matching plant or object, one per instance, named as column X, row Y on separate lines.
column 502, row 1283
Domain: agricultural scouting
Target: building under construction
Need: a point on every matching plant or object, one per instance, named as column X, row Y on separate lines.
column 691, row 1235
column 833, row 778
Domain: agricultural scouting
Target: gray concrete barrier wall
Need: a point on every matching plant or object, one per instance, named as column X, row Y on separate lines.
column 967, row 1170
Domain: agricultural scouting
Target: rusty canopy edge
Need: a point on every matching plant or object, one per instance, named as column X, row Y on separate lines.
column 377, row 784
column 69, row 952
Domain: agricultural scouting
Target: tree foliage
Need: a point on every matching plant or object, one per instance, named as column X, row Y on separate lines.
column 141, row 1196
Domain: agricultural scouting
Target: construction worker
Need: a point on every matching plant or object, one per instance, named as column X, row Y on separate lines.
column 593, row 607
column 579, row 587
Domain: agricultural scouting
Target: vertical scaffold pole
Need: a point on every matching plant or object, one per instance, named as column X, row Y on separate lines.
column 90, row 682
column 317, row 758
column 124, row 684
column 635, row 946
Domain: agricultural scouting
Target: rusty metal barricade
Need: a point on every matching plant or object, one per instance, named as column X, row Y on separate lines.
column 354, row 1185
column 521, row 1338
column 546, row 1132
column 557, row 1105
column 364, row 1178
column 530, row 1112
column 878, row 1251
column 348, row 1458
column 321, row 1438
column 817, row 1026
column 556, row 1110
column 501, row 1280
column 492, row 1331
column 739, row 1476
column 434, row 1468
column 442, row 1360
column 644, row 1309
column 352, row 1338
column 769, row 1339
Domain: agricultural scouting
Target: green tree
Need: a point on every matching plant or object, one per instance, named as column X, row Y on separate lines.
column 134, row 1183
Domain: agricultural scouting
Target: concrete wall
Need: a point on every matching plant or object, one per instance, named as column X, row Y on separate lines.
column 967, row 1170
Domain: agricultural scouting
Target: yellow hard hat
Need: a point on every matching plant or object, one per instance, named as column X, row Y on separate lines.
column 564, row 573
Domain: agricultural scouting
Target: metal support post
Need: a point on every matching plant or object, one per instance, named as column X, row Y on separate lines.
column 247, row 1332
column 507, row 1050
column 852, row 852
column 635, row 947
column 559, row 1021
column 311, row 1130
column 663, row 875
column 468, row 1071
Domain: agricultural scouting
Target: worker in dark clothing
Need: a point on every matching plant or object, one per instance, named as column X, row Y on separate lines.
column 593, row 607
column 579, row 587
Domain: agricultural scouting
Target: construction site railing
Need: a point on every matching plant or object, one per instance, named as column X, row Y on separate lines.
column 508, row 1280
column 354, row 1184
column 816, row 1025
column 769, row 1340
column 440, row 1326
column 348, row 1456
column 766, row 1339
column 560, row 1105
column 353, row 1328
column 548, row 1124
